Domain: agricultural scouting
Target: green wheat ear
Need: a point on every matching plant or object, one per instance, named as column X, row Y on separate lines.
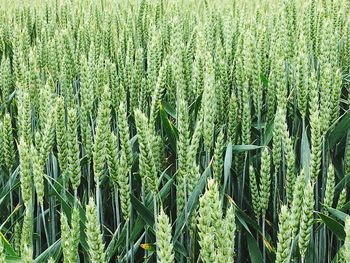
column 330, row 187
column 27, row 255
column 297, row 201
column 102, row 133
column 2, row 252
column 61, row 135
column 206, row 229
column 265, row 180
column 2, row 157
column 73, row 151
column 75, row 233
column 112, row 160
column 6, row 79
column 288, row 146
column 226, row 236
column 27, row 232
column 123, row 184
column 254, row 191
column 192, row 155
column 279, row 127
column 93, row 234
column 165, row 252
column 346, row 247
column 306, row 219
column 25, row 172
column 38, row 175
column 124, row 133
column 182, row 149
column 147, row 165
column 284, row 235
column 208, row 103
column 342, row 199
column 65, row 238
column 17, row 238
column 315, row 125
column 24, row 115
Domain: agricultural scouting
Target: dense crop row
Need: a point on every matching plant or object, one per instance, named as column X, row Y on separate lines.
column 163, row 130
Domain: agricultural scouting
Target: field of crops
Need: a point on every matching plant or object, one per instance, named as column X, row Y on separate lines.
column 174, row 131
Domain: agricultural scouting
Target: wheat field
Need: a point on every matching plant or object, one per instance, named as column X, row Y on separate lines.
column 174, row 131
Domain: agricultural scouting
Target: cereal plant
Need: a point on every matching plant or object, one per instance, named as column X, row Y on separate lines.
column 174, row 131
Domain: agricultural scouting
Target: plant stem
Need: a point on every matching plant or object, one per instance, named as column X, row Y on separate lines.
column 263, row 240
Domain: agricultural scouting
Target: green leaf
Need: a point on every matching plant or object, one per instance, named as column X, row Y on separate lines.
column 169, row 109
column 7, row 246
column 191, row 204
column 244, row 148
column 338, row 130
column 305, row 152
column 138, row 226
column 67, row 203
column 245, row 219
column 333, row 225
column 134, row 248
column 337, row 213
column 169, row 128
column 268, row 133
column 227, row 165
column 13, row 259
column 342, row 183
column 143, row 211
column 53, row 251
column 264, row 80
column 254, row 252
column 136, row 231
column 345, row 207
column 12, row 95
column 11, row 185
column 149, row 219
